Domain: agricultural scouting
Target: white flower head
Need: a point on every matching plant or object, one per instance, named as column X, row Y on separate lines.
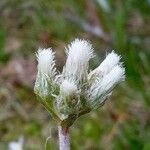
column 79, row 52
column 75, row 92
column 46, row 71
column 68, row 88
column 46, row 63
column 103, row 86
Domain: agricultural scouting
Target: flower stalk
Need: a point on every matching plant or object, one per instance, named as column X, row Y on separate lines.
column 64, row 139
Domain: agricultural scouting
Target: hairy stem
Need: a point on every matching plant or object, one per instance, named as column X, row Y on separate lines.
column 64, row 143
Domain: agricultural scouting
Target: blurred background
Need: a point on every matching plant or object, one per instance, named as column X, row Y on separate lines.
column 123, row 26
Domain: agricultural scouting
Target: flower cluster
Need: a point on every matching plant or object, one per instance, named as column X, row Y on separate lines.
column 76, row 90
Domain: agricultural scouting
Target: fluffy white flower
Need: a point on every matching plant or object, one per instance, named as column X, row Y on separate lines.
column 46, row 63
column 16, row 145
column 79, row 52
column 68, row 88
column 75, row 92
column 107, row 65
column 46, row 72
column 102, row 88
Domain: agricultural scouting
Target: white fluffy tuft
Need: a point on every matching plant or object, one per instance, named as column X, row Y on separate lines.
column 79, row 53
column 46, row 72
column 104, row 85
column 104, row 78
column 46, row 63
column 68, row 88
